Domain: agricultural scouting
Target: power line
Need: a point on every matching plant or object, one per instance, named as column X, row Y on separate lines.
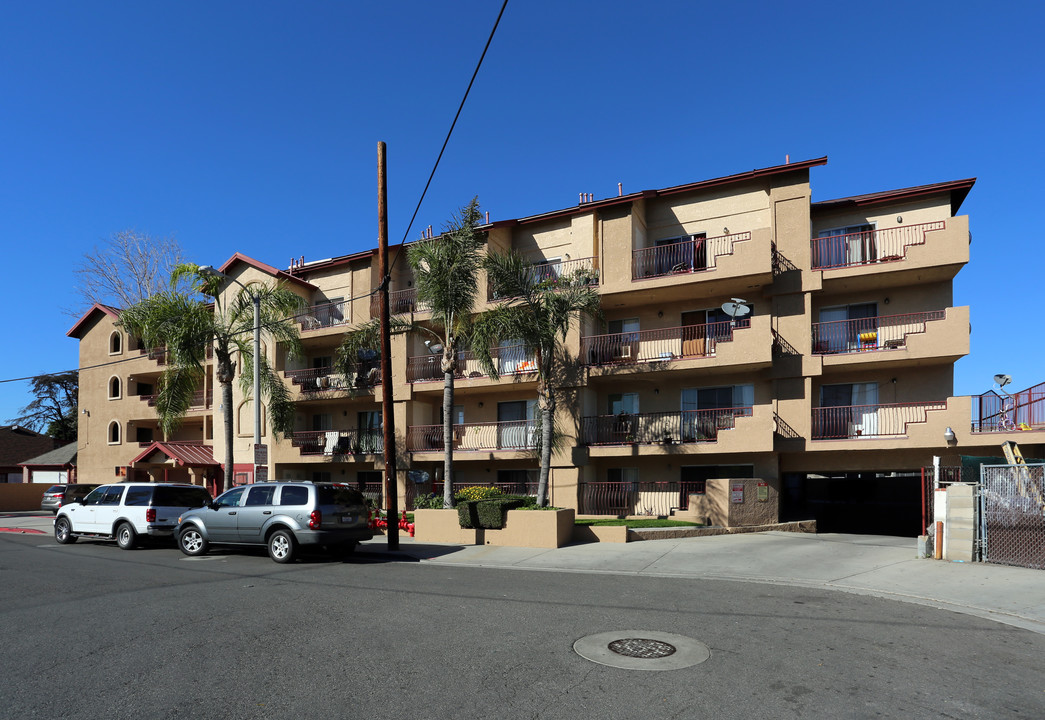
column 448, row 134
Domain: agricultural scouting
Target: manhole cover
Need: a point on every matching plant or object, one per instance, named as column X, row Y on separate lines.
column 642, row 650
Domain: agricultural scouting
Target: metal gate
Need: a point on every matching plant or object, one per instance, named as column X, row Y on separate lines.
column 1012, row 514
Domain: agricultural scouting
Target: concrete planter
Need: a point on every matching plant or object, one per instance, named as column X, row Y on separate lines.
column 523, row 528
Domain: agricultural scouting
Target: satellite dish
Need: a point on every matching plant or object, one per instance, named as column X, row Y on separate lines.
column 1002, row 380
column 736, row 308
column 434, row 349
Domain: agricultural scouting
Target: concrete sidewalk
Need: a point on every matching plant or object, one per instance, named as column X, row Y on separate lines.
column 864, row 564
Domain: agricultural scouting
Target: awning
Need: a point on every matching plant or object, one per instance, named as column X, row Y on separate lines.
column 187, row 454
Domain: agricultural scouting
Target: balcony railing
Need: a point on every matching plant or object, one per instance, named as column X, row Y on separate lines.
column 339, row 442
column 1024, row 410
column 869, row 246
column 554, row 271
column 162, row 357
column 326, row 315
column 661, row 345
column 199, row 400
column 874, row 333
column 637, row 498
column 316, row 380
column 685, row 256
column 508, row 488
column 869, row 421
column 399, row 302
column 474, row 437
column 665, row 428
column 509, row 360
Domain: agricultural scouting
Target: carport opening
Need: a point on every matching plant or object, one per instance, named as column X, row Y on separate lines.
column 863, row 503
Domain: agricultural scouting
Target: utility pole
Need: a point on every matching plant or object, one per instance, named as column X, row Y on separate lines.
column 391, row 489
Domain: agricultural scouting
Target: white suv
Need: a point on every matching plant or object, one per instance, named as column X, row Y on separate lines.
column 127, row 511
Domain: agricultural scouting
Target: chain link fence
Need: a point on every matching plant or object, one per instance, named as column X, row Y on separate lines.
column 1012, row 514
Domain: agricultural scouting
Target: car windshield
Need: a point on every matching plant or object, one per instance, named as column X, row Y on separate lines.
column 339, row 495
column 188, row 497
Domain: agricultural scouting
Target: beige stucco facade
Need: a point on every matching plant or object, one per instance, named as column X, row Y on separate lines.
column 849, row 299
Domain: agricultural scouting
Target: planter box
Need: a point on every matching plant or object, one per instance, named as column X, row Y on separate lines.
column 524, row 528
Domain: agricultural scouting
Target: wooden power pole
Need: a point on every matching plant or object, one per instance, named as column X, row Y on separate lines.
column 391, row 489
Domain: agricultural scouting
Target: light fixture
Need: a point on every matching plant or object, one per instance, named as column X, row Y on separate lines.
column 949, row 436
column 85, row 412
column 899, row 219
column 660, row 313
column 725, row 231
column 480, row 403
column 887, row 301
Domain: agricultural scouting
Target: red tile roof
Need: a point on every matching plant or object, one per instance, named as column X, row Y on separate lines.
column 958, row 189
column 278, row 274
column 182, row 453
column 76, row 329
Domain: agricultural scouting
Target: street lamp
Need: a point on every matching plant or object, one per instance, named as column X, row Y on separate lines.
column 208, row 271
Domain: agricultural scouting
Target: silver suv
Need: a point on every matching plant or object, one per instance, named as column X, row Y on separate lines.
column 280, row 515
column 126, row 512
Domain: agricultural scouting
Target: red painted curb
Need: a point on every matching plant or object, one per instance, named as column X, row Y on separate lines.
column 26, row 531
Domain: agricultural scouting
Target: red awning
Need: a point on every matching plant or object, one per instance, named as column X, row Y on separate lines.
column 182, row 453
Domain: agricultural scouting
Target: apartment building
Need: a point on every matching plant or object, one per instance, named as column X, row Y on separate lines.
column 748, row 332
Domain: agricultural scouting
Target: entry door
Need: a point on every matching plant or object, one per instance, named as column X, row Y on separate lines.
column 694, row 333
column 515, row 424
column 865, row 412
column 623, row 409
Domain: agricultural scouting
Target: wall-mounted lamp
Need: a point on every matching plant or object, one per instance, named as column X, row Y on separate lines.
column 567, row 256
column 899, row 219
column 949, row 436
column 85, row 412
column 660, row 313
column 656, row 391
column 886, row 301
column 725, row 231
column 480, row 403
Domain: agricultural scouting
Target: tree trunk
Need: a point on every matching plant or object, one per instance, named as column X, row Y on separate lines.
column 547, row 413
column 448, row 439
column 226, row 412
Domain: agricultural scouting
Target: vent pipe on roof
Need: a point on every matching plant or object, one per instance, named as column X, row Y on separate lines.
column 487, row 217
column 787, row 159
column 620, row 189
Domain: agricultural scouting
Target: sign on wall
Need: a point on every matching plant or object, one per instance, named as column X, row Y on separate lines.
column 736, row 494
column 763, row 492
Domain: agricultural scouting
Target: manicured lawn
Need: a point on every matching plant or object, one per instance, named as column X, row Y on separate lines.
column 641, row 523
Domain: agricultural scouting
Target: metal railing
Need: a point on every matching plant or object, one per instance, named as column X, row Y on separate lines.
column 874, row 333
column 781, row 428
column 637, row 498
column 339, row 442
column 162, row 357
column 869, row 246
column 863, row 421
column 692, row 254
column 314, row 380
column 199, row 400
column 509, row 360
column 660, row 345
column 326, row 315
column 472, row 437
column 508, row 488
column 664, row 428
column 399, row 303
column 1024, row 410
column 553, row 271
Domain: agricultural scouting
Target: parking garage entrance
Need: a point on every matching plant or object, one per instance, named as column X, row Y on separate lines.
column 863, row 503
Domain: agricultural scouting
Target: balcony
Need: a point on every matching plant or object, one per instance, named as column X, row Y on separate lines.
column 326, row 315
column 199, row 401
column 162, row 357
column 870, row 246
column 870, row 421
column 1018, row 412
column 311, row 381
column 509, row 360
column 887, row 332
column 400, row 302
column 685, row 256
column 339, row 442
column 474, row 437
column 663, row 345
column 666, row 428
column 553, row 271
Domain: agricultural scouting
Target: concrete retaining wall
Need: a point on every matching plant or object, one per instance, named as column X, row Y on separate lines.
column 21, row 496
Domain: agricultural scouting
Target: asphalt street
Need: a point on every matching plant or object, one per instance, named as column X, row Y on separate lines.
column 91, row 631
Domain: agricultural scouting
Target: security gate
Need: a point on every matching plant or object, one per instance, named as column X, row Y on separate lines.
column 1012, row 514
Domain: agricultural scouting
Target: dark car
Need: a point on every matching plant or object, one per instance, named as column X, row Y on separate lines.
column 58, row 495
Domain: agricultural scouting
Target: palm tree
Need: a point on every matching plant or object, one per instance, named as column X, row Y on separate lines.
column 446, row 270
column 188, row 326
column 538, row 310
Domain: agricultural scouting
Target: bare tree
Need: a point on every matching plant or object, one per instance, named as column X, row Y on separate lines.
column 124, row 270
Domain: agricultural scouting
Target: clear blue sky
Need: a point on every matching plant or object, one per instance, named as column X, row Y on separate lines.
column 252, row 127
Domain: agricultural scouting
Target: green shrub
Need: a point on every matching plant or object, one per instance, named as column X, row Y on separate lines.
column 430, row 501
column 467, row 515
column 493, row 513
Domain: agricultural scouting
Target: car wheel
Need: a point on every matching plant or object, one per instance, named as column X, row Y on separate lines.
column 281, row 546
column 63, row 531
column 192, row 542
column 125, row 536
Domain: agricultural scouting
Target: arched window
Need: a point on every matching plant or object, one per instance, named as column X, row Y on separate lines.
column 114, row 388
column 114, row 433
column 115, row 343
column 245, row 419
